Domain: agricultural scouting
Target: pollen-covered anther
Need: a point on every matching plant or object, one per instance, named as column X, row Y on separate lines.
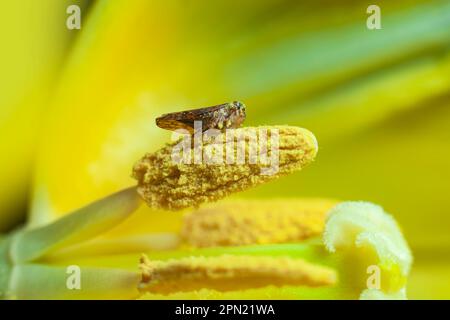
column 231, row 272
column 162, row 181
column 246, row 222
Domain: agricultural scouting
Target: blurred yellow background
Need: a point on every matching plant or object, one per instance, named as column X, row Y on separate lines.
column 78, row 106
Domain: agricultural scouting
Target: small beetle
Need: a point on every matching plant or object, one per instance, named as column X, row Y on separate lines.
column 222, row 116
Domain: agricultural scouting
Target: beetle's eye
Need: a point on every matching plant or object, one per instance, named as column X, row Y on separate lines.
column 238, row 105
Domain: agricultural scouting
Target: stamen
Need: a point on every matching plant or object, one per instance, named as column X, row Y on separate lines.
column 163, row 183
column 228, row 272
column 245, row 222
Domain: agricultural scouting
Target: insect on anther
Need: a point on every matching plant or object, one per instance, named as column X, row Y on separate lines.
column 226, row 115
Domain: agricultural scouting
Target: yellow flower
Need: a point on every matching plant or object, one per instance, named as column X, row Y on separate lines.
column 376, row 100
column 271, row 246
column 26, row 252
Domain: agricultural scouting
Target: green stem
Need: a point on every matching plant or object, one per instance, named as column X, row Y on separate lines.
column 82, row 225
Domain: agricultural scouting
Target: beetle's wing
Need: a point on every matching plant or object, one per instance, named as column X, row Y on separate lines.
column 171, row 124
column 185, row 119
